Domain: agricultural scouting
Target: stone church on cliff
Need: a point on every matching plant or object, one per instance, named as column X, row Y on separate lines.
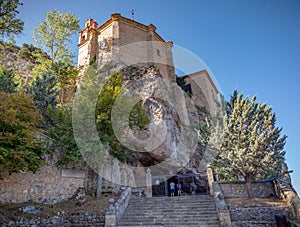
column 127, row 42
column 124, row 40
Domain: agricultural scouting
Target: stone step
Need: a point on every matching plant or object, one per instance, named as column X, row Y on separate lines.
column 171, row 211
column 183, row 196
column 158, row 210
column 187, row 203
column 172, row 225
column 183, row 203
column 173, row 214
column 175, row 206
column 189, row 208
column 173, row 201
column 158, row 223
column 175, row 198
column 170, row 220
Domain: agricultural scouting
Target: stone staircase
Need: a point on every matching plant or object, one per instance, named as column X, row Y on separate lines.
column 197, row 210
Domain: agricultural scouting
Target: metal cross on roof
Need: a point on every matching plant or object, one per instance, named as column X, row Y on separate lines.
column 132, row 13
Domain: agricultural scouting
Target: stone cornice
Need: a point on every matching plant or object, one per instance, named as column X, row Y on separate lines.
column 118, row 17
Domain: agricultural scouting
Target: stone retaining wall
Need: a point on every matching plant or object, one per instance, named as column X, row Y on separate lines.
column 116, row 210
column 59, row 220
column 49, row 185
column 254, row 216
column 237, row 189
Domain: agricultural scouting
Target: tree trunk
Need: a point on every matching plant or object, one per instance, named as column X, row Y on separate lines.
column 99, row 184
column 248, row 186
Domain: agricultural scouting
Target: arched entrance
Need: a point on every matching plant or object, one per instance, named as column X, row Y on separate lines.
column 161, row 184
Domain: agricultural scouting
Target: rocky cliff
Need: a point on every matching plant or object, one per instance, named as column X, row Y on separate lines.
column 21, row 60
column 168, row 143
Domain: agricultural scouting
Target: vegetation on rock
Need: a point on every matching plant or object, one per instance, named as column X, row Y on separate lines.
column 138, row 117
column 62, row 133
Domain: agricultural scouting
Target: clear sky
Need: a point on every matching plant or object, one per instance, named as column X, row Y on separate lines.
column 252, row 46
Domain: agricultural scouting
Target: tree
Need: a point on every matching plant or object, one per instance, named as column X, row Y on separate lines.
column 19, row 149
column 62, row 132
column 31, row 53
column 138, row 118
column 7, row 83
column 9, row 24
column 54, row 34
column 67, row 75
column 252, row 145
column 44, row 95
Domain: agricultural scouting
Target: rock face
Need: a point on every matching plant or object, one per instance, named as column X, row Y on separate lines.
column 170, row 141
column 10, row 59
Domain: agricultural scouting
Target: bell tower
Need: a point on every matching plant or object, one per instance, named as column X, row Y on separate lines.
column 87, row 44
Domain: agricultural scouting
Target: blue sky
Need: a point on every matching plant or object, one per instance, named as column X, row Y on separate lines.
column 252, row 46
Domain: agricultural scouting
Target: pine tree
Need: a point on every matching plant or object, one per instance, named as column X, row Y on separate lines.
column 252, row 145
column 7, row 83
column 44, row 95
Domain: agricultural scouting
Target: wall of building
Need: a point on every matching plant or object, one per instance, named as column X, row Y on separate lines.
column 130, row 34
column 105, row 41
column 83, row 53
column 203, row 91
column 125, row 42
column 49, row 185
column 237, row 189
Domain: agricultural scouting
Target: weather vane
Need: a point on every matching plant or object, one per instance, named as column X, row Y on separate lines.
column 132, row 13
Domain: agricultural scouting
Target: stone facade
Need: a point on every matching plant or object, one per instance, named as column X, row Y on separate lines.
column 124, row 41
column 49, row 185
column 204, row 91
column 237, row 189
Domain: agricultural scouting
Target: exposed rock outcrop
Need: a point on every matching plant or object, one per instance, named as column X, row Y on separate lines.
column 11, row 59
column 170, row 141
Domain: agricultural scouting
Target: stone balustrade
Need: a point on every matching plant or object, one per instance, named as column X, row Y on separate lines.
column 215, row 190
column 116, row 210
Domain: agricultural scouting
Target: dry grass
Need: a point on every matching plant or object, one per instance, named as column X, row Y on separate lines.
column 91, row 206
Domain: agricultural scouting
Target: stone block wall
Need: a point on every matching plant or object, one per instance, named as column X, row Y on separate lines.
column 116, row 211
column 49, row 185
column 237, row 189
column 254, row 216
column 82, row 219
